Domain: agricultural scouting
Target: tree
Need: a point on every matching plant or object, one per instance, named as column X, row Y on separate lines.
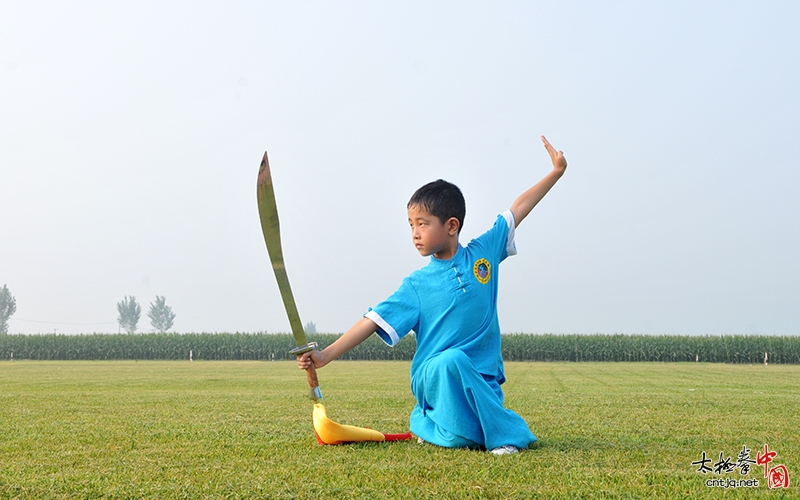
column 161, row 315
column 129, row 313
column 310, row 327
column 8, row 306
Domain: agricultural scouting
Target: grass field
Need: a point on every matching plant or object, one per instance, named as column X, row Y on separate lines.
column 169, row 429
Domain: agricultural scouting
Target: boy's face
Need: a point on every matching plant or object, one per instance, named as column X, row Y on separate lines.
column 429, row 235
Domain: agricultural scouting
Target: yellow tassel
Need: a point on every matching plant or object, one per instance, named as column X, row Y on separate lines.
column 329, row 432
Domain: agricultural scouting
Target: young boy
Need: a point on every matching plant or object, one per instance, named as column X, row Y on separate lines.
column 451, row 305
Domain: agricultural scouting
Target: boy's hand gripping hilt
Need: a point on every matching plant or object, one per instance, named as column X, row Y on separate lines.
column 314, row 391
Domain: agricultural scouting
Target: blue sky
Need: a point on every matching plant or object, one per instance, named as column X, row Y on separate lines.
column 131, row 134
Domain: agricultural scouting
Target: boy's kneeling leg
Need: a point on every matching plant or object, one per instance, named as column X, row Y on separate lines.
column 457, row 407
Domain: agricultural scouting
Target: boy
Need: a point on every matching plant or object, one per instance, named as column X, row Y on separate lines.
column 451, row 305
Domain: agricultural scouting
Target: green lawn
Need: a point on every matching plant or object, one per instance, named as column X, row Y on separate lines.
column 169, row 429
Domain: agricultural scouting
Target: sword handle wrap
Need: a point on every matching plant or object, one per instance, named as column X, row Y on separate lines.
column 314, row 391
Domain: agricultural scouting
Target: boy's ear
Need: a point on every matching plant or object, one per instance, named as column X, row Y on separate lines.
column 452, row 226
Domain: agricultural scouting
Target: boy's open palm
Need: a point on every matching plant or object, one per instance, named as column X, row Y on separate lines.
column 557, row 157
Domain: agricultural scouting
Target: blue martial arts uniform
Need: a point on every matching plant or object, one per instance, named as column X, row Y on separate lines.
column 457, row 370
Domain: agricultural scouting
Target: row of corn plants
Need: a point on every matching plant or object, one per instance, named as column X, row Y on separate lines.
column 195, row 346
column 714, row 349
column 516, row 347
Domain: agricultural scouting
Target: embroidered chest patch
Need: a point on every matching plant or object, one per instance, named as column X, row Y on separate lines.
column 482, row 270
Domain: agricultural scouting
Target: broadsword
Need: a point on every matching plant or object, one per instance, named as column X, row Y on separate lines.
column 270, row 226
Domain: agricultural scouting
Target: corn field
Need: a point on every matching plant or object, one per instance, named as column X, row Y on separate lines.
column 516, row 347
column 200, row 346
column 712, row 349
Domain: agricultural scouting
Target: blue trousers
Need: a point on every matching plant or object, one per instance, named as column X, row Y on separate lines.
column 458, row 408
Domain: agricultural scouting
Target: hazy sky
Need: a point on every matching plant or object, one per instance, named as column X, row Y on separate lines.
column 131, row 135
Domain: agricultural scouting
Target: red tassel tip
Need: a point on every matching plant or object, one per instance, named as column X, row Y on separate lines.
column 398, row 437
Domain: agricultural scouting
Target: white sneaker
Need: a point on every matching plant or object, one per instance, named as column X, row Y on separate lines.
column 505, row 450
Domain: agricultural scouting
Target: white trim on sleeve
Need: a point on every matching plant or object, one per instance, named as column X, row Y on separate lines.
column 511, row 247
column 386, row 327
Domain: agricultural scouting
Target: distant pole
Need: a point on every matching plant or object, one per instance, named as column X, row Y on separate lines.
column 190, row 355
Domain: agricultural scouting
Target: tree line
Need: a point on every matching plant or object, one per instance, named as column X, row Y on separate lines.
column 129, row 312
column 160, row 314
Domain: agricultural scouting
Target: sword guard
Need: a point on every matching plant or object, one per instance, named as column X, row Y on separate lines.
column 303, row 348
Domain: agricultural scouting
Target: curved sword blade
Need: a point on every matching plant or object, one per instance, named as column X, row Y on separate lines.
column 270, row 226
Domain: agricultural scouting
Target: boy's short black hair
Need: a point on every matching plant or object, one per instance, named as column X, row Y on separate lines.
column 442, row 199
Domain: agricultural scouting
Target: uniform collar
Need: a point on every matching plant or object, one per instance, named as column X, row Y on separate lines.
column 449, row 262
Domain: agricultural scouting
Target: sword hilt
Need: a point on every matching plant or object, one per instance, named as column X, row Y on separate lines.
column 314, row 391
column 304, row 348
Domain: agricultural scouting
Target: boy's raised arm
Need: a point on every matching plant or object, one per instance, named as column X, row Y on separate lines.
column 523, row 205
column 357, row 334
